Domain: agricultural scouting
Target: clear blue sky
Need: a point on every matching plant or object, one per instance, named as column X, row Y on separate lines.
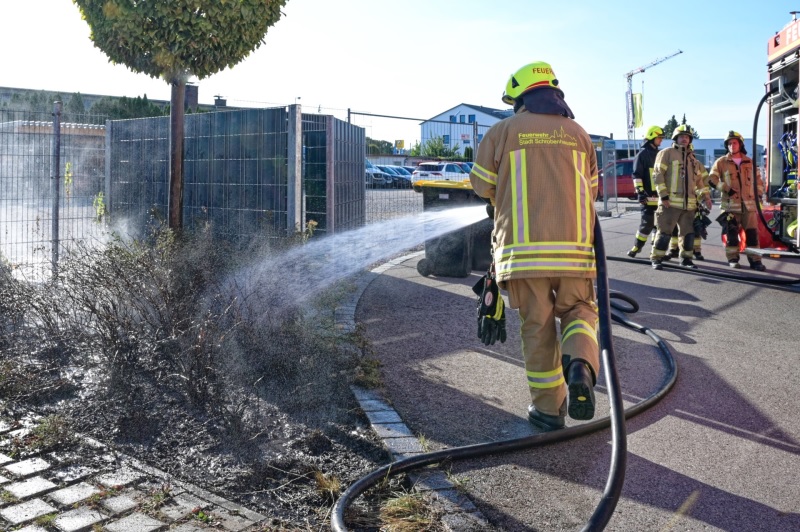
column 419, row 58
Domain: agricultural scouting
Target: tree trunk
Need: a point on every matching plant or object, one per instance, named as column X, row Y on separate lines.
column 176, row 115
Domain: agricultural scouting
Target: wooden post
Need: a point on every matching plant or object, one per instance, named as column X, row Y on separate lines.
column 176, row 115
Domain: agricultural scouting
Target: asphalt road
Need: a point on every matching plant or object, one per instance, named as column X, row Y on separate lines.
column 719, row 452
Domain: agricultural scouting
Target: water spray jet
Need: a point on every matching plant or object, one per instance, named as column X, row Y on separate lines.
column 287, row 279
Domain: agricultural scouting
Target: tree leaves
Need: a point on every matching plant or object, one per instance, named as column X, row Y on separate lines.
column 175, row 39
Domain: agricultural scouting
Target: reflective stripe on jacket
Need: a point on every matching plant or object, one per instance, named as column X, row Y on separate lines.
column 679, row 177
column 736, row 183
column 540, row 171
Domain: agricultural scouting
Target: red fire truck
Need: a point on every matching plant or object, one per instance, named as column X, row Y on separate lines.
column 782, row 96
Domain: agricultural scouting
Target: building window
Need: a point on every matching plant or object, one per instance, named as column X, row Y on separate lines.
column 462, row 119
column 446, row 140
column 471, row 119
column 453, row 118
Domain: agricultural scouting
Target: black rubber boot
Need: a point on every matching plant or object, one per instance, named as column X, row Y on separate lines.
column 580, row 384
column 757, row 265
column 657, row 264
column 637, row 247
column 545, row 422
column 699, row 256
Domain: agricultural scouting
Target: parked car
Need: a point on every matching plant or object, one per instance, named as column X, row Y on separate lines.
column 466, row 166
column 410, row 169
column 392, row 171
column 375, row 177
column 441, row 171
column 403, row 177
column 624, row 186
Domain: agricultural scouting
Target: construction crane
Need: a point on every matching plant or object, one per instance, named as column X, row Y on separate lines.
column 629, row 94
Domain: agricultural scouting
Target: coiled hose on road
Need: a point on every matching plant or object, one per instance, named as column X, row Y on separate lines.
column 616, row 419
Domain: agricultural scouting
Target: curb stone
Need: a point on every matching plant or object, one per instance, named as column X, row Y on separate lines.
column 460, row 514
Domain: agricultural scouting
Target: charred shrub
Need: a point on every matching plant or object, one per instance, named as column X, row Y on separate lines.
column 192, row 317
column 33, row 346
column 141, row 308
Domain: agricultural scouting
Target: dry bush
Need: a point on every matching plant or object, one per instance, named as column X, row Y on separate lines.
column 162, row 313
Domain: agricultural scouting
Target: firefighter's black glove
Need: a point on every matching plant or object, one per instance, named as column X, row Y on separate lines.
column 642, row 197
column 491, row 311
column 732, row 222
column 700, row 224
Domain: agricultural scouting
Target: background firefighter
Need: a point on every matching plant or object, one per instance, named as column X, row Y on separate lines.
column 539, row 169
column 645, row 187
column 701, row 222
column 680, row 181
column 733, row 174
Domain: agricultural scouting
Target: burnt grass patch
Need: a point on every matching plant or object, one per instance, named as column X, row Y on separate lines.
column 156, row 348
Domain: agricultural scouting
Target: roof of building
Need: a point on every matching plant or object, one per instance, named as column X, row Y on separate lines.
column 497, row 113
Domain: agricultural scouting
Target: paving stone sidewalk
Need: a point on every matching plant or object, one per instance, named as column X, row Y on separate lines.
column 47, row 493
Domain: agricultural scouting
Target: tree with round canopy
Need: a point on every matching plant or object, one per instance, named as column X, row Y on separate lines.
column 174, row 40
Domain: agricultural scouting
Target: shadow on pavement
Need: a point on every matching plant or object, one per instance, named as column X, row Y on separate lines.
column 454, row 391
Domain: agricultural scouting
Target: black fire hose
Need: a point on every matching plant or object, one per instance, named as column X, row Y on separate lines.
column 759, row 279
column 619, row 445
column 613, row 488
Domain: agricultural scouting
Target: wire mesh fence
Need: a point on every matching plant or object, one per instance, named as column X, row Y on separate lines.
column 241, row 172
column 51, row 187
column 247, row 173
column 235, row 171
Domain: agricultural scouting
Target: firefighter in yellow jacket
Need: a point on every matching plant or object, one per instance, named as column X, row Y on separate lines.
column 680, row 181
column 733, row 174
column 539, row 169
column 699, row 219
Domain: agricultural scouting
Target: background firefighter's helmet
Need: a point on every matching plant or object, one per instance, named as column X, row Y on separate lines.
column 532, row 76
column 682, row 130
column 654, row 132
column 738, row 136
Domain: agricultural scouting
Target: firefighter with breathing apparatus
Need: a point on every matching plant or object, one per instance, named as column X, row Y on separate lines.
column 733, row 175
column 539, row 170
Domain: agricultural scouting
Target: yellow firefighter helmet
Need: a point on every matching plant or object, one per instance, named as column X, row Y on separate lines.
column 682, row 130
column 654, row 132
column 735, row 135
column 532, row 76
